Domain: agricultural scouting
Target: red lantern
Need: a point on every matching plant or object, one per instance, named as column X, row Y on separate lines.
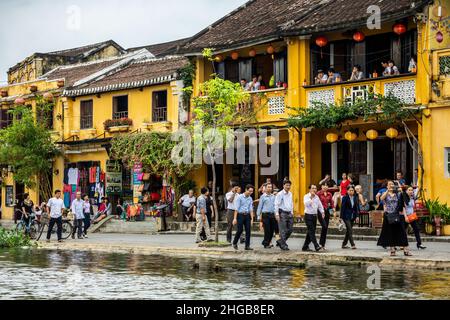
column 252, row 53
column 270, row 49
column 399, row 28
column 234, row 55
column 358, row 36
column 439, row 37
column 19, row 101
column 321, row 41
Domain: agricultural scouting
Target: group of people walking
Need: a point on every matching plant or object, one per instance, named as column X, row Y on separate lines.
column 275, row 215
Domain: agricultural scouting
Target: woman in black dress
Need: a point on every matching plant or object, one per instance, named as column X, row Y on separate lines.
column 393, row 233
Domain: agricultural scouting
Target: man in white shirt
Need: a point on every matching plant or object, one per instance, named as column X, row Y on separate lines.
column 284, row 213
column 77, row 209
column 187, row 204
column 313, row 206
column 55, row 208
column 230, row 199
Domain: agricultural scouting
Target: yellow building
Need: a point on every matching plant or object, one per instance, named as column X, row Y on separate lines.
column 288, row 42
column 93, row 102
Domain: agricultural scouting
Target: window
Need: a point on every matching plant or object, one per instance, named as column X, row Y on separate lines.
column 5, row 118
column 447, row 162
column 159, row 103
column 280, row 68
column 86, row 114
column 120, row 107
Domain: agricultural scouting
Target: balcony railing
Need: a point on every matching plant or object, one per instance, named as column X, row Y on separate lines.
column 120, row 115
column 86, row 122
column 402, row 87
column 268, row 104
column 159, row 114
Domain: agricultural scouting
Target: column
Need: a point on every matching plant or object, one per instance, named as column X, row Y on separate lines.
column 370, row 167
column 334, row 161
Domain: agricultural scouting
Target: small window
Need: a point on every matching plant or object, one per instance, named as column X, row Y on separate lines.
column 159, row 104
column 120, row 107
column 447, row 162
column 6, row 118
column 86, row 114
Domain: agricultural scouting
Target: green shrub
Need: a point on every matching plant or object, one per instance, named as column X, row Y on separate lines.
column 13, row 239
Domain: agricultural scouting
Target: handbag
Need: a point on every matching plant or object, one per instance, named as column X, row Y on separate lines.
column 393, row 218
column 412, row 217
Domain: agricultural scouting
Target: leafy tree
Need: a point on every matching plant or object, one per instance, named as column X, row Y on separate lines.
column 27, row 146
column 217, row 112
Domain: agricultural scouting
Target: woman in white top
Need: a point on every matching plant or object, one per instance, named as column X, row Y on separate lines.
column 409, row 202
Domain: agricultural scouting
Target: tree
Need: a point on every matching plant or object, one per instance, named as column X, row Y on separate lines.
column 27, row 146
column 216, row 112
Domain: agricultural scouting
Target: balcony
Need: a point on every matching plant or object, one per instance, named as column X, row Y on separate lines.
column 120, row 115
column 401, row 86
column 269, row 105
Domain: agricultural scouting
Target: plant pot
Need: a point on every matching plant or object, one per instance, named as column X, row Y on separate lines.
column 119, row 129
column 445, row 230
column 429, row 228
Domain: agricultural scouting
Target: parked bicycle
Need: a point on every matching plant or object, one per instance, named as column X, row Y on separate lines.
column 32, row 228
column 67, row 227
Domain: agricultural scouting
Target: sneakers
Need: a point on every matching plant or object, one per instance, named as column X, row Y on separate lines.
column 248, row 248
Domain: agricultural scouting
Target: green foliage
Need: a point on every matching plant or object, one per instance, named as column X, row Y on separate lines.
column 13, row 239
column 383, row 109
column 187, row 74
column 117, row 122
column 438, row 209
column 27, row 146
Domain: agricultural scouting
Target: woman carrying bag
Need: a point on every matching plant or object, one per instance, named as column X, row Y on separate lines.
column 393, row 231
column 409, row 211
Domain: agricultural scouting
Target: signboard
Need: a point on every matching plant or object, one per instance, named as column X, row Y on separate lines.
column 113, row 177
column 137, row 170
column 9, row 200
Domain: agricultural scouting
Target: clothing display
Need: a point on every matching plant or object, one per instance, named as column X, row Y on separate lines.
column 73, row 176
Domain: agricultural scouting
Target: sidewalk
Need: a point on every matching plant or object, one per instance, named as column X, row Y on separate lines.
column 436, row 256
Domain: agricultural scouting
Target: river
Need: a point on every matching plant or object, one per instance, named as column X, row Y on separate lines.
column 41, row 274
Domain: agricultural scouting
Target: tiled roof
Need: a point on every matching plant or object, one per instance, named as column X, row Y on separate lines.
column 135, row 75
column 162, row 49
column 260, row 21
column 84, row 50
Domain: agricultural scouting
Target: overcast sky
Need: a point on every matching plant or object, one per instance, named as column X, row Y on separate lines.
column 29, row 26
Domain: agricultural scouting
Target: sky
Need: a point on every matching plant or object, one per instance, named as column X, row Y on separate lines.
column 29, row 26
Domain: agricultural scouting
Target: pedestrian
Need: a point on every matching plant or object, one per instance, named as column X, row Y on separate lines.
column 324, row 219
column 120, row 211
column 243, row 216
column 230, row 197
column 209, row 213
column 88, row 211
column 409, row 207
column 77, row 209
column 381, row 191
column 284, row 213
column 55, row 208
column 104, row 210
column 27, row 207
column 202, row 221
column 187, row 205
column 349, row 214
column 393, row 232
column 266, row 215
column 313, row 207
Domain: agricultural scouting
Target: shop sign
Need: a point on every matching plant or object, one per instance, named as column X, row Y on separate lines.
column 9, row 196
column 113, row 177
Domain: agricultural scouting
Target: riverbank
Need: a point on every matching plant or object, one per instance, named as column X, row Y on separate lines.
column 436, row 256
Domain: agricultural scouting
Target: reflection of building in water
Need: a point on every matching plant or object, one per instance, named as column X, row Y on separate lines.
column 298, row 278
column 434, row 284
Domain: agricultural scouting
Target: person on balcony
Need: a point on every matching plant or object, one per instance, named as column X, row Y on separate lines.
column 393, row 70
column 357, row 74
column 254, row 85
column 386, row 69
column 262, row 83
column 321, row 77
column 333, row 76
column 412, row 67
column 244, row 83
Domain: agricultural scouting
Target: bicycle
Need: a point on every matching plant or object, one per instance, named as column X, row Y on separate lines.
column 67, row 227
column 32, row 229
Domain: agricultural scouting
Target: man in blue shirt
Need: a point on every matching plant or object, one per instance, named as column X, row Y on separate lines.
column 266, row 215
column 202, row 222
column 243, row 216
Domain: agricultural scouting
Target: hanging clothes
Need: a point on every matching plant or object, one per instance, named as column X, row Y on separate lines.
column 72, row 176
column 92, row 174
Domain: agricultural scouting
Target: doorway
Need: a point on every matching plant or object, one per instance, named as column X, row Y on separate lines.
column 383, row 159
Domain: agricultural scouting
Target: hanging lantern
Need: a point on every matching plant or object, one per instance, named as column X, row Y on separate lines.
column 19, row 101
column 332, row 137
column 399, row 28
column 270, row 140
column 439, row 37
column 372, row 134
column 358, row 36
column 270, row 49
column 252, row 53
column 60, row 83
column 218, row 58
column 392, row 133
column 48, row 96
column 350, row 136
column 33, row 88
column 234, row 55
column 321, row 41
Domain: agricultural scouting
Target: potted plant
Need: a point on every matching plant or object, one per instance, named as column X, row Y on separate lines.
column 433, row 208
column 121, row 124
column 445, row 222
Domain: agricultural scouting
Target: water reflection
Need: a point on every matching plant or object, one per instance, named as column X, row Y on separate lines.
column 36, row 274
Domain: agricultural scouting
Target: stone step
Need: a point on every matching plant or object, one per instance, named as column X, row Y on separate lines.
column 149, row 226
